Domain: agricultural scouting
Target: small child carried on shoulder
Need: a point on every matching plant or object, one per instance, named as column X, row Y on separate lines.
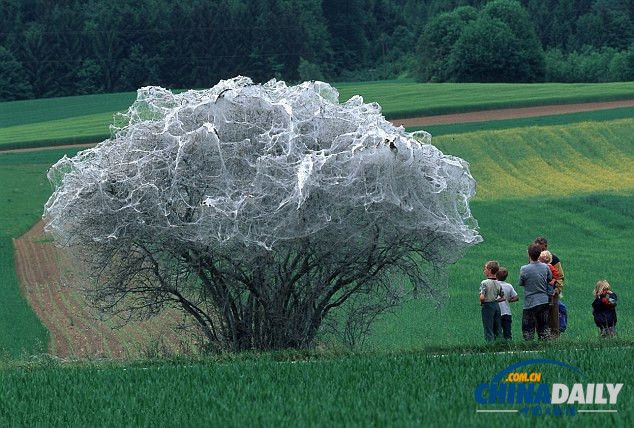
column 546, row 257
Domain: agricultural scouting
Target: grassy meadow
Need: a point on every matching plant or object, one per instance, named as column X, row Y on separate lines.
column 400, row 390
column 571, row 182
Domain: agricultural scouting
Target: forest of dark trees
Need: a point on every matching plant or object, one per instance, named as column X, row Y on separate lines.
column 52, row 48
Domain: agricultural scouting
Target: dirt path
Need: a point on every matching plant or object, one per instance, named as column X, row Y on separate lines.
column 76, row 329
column 513, row 113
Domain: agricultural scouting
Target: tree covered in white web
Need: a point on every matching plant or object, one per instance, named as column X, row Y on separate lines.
column 269, row 213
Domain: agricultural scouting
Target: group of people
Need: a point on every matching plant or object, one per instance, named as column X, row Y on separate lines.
column 543, row 281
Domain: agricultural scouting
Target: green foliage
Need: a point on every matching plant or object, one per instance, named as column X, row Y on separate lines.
column 586, row 42
column 140, row 69
column 116, row 45
column 590, row 65
column 570, row 24
column 498, row 44
column 88, row 78
column 607, row 24
column 12, row 84
column 485, row 52
column 437, row 40
column 529, row 64
column 309, row 71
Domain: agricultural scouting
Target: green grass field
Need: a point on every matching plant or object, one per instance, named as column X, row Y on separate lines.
column 570, row 182
column 592, row 235
column 86, row 119
column 400, row 390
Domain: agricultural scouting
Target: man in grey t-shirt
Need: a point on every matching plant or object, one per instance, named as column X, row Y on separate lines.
column 534, row 277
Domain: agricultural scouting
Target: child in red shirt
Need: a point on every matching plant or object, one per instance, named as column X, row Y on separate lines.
column 604, row 309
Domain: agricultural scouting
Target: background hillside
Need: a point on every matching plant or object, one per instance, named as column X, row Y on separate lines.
column 62, row 48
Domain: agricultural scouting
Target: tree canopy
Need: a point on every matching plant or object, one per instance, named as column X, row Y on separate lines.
column 497, row 44
column 260, row 210
column 90, row 46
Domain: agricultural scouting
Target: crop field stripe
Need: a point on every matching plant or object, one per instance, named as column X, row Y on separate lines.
column 78, row 309
column 23, row 192
column 136, row 336
column 31, row 263
column 26, row 112
column 62, row 321
column 84, row 128
column 125, row 339
column 22, row 331
column 431, row 96
column 580, row 158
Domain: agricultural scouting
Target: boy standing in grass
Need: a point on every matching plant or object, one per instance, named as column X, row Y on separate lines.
column 490, row 294
column 510, row 295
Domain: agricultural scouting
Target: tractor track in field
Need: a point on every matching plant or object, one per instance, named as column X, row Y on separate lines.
column 77, row 331
column 511, row 113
